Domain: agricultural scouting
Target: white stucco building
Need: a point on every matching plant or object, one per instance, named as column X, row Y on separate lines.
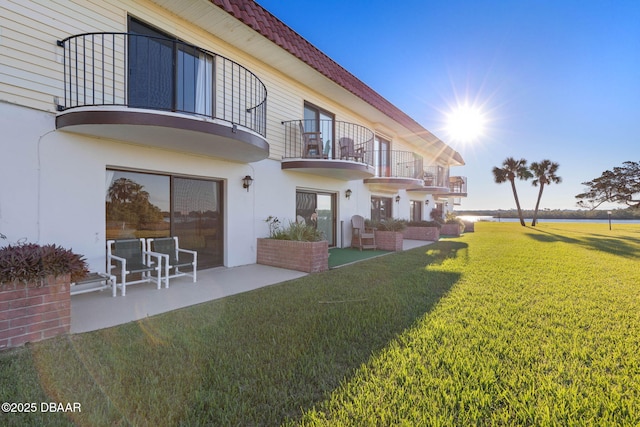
column 124, row 118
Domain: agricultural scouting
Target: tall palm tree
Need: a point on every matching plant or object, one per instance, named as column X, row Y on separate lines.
column 545, row 173
column 510, row 170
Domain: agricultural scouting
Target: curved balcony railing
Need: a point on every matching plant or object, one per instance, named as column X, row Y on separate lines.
column 328, row 140
column 398, row 164
column 436, row 176
column 458, row 184
column 124, row 69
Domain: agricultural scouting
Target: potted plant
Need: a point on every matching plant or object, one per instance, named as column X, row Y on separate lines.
column 422, row 230
column 389, row 234
column 297, row 246
column 453, row 226
column 35, row 285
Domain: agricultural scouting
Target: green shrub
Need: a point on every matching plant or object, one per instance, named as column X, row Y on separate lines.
column 30, row 262
column 451, row 218
column 299, row 232
column 389, row 224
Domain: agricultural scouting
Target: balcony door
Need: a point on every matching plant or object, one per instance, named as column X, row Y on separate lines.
column 383, row 157
column 318, row 209
column 167, row 74
column 318, row 120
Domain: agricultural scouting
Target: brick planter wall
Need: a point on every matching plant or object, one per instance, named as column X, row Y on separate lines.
column 310, row 257
column 421, row 233
column 450, row 230
column 469, row 227
column 32, row 312
column 389, row 240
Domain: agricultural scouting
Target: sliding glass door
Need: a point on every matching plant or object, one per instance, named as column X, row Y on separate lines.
column 142, row 205
column 318, row 209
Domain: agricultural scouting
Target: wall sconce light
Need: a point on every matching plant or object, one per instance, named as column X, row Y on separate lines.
column 347, row 193
column 246, row 182
column 398, row 199
column 426, row 202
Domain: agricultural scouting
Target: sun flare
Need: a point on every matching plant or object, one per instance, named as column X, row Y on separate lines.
column 465, row 124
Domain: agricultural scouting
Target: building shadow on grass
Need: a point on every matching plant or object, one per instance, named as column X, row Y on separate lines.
column 624, row 246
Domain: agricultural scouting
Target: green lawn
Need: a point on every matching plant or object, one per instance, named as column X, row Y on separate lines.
column 504, row 326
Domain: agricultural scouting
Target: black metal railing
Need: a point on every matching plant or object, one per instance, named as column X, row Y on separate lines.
column 398, row 164
column 436, row 176
column 124, row 69
column 458, row 184
column 328, row 139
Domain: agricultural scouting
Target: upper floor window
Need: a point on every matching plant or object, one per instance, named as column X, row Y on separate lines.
column 167, row 74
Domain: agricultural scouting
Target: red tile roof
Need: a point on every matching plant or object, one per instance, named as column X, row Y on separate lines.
column 262, row 21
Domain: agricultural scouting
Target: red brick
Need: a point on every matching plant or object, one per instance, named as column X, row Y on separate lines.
column 26, row 320
column 54, row 332
column 12, row 332
column 13, row 294
column 25, row 302
column 12, row 314
column 32, row 337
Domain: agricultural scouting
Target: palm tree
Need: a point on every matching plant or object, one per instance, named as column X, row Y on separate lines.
column 510, row 170
column 545, row 173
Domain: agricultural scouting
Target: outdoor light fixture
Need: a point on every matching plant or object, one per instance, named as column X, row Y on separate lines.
column 398, row 199
column 246, row 182
column 347, row 193
column 426, row 202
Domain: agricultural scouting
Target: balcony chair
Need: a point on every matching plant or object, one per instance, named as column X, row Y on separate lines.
column 130, row 256
column 348, row 151
column 312, row 143
column 361, row 236
column 174, row 258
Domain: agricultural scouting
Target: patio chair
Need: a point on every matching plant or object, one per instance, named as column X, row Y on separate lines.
column 312, row 143
column 130, row 257
column 348, row 150
column 362, row 237
column 174, row 258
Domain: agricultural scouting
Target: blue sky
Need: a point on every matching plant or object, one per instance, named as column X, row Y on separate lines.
column 556, row 79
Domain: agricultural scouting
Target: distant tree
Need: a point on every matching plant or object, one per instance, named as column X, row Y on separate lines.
column 621, row 185
column 544, row 173
column 510, row 170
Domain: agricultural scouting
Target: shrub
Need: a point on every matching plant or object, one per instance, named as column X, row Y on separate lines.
column 451, row 218
column 299, row 232
column 30, row 262
column 389, row 224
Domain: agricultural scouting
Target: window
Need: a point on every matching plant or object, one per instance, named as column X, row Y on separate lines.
column 318, row 120
column 380, row 208
column 143, row 205
column 416, row 210
column 167, row 74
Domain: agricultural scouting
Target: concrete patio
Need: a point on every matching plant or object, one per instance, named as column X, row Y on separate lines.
column 98, row 310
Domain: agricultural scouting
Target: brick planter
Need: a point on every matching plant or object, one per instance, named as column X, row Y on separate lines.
column 421, row 233
column 469, row 227
column 450, row 230
column 310, row 257
column 33, row 312
column 389, row 240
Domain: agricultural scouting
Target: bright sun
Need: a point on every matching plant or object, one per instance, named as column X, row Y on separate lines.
column 465, row 124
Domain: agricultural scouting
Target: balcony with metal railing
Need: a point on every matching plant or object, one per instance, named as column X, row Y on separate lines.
column 435, row 180
column 328, row 148
column 396, row 170
column 458, row 186
column 163, row 93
